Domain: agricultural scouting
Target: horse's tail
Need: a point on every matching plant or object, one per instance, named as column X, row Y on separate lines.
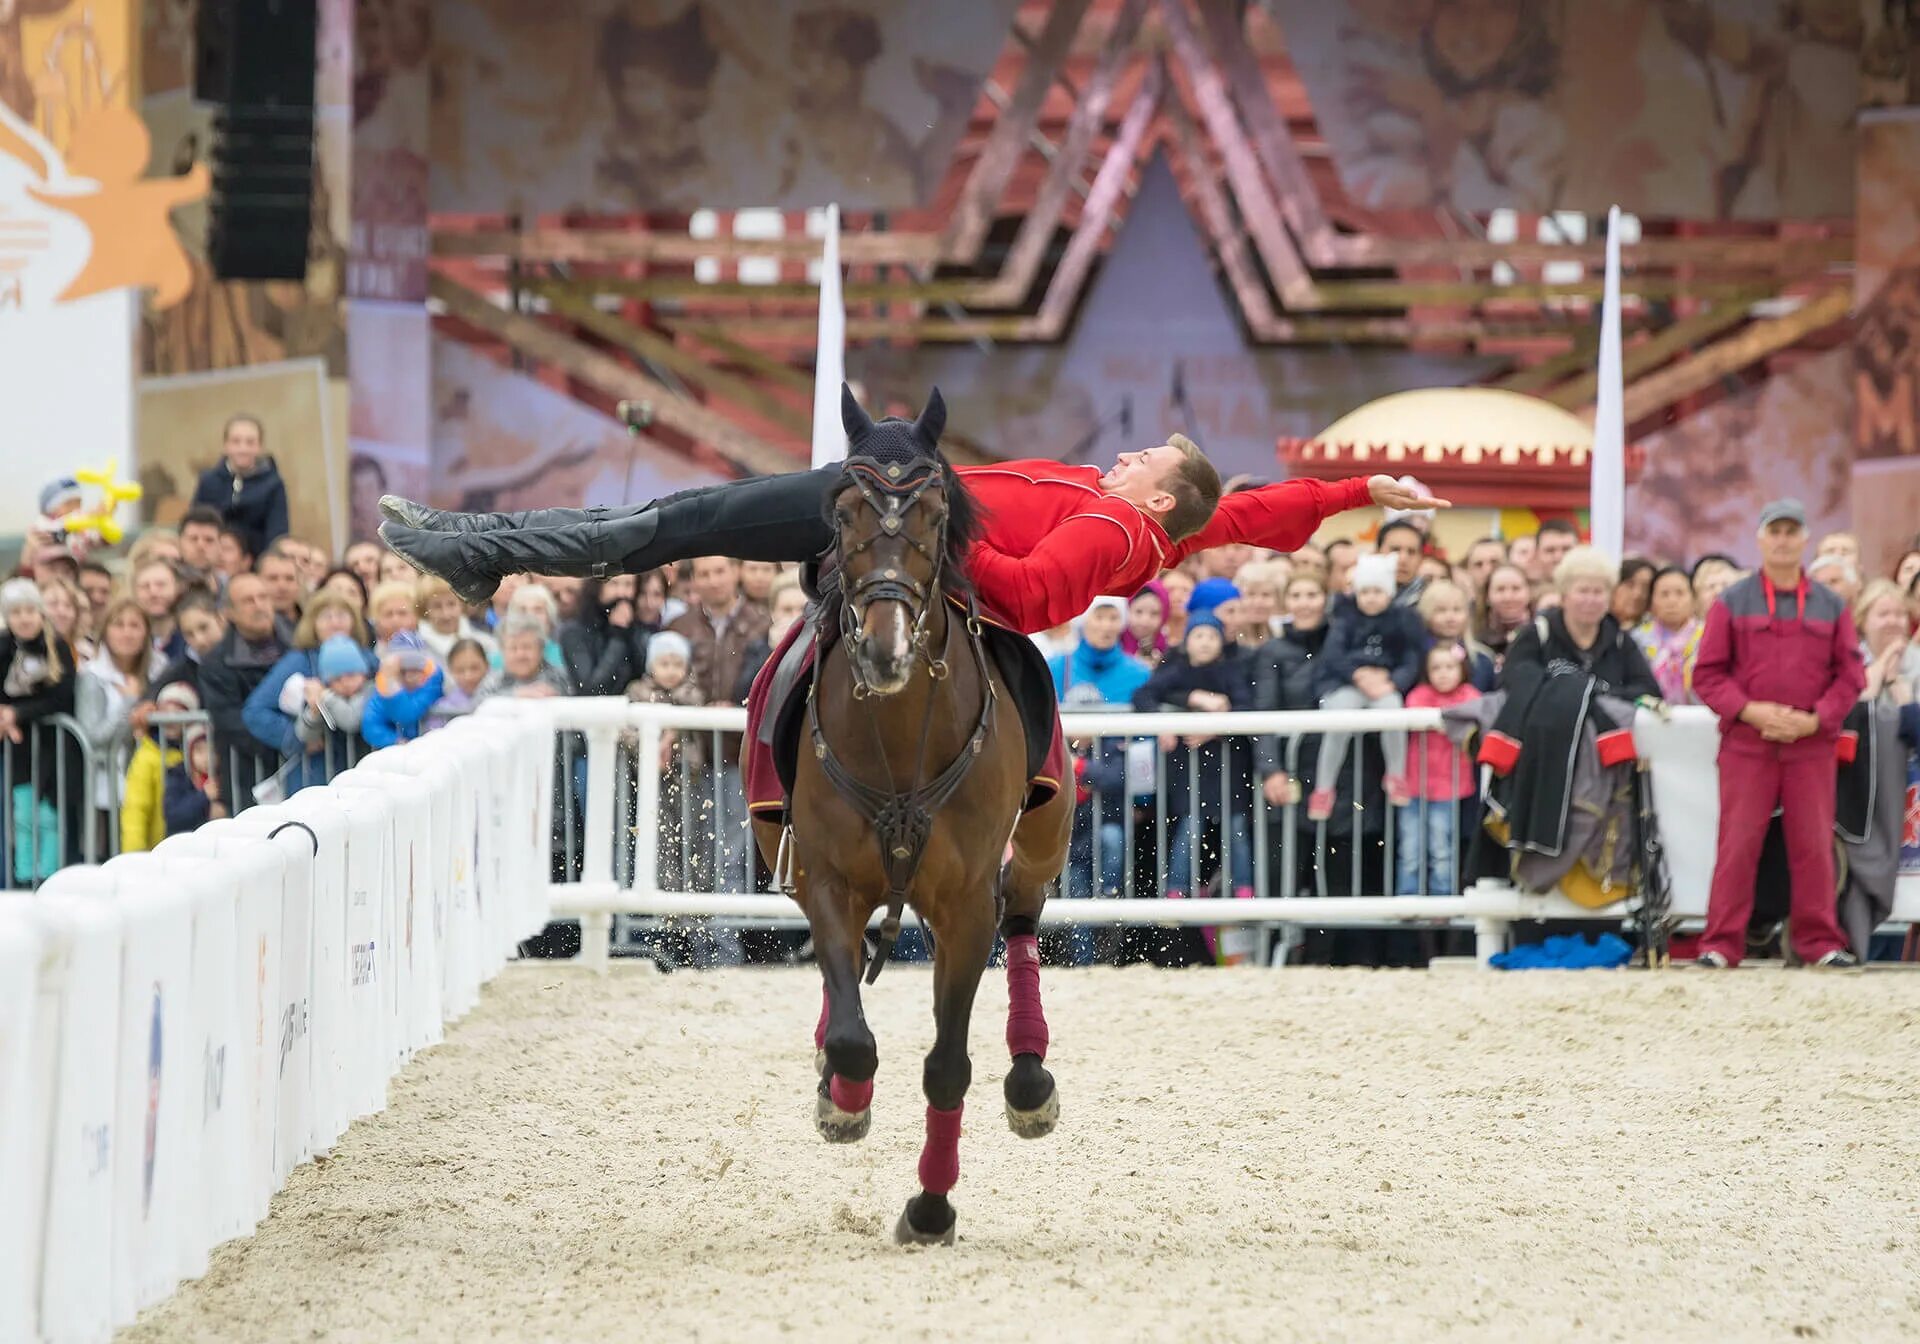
column 889, row 935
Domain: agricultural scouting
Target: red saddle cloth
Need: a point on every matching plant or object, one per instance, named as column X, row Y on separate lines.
column 770, row 755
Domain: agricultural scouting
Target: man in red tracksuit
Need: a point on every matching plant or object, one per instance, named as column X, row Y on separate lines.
column 1056, row 536
column 1779, row 664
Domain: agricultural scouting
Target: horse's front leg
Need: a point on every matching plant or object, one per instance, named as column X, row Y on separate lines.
column 963, row 940
column 843, row 1043
column 1039, row 853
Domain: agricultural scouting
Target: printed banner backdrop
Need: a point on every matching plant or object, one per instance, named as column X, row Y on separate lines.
column 1886, row 362
column 618, row 105
column 1157, row 334
column 228, row 329
column 81, row 233
column 1738, row 109
column 1707, row 478
column 391, row 125
column 390, row 426
column 502, row 440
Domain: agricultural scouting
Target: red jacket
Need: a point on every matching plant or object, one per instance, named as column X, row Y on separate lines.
column 1053, row 540
column 1808, row 660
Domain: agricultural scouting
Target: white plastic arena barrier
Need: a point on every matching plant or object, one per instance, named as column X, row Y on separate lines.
column 179, row 1029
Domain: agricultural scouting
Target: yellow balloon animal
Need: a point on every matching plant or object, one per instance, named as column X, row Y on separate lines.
column 113, row 493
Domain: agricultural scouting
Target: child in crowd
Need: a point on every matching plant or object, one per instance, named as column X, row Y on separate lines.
column 335, row 701
column 1442, row 784
column 1210, row 774
column 143, row 818
column 1146, row 634
column 443, row 622
column 466, row 667
column 406, row 688
column 392, row 610
column 1443, row 609
column 524, row 670
column 1370, row 660
column 192, row 794
column 683, row 760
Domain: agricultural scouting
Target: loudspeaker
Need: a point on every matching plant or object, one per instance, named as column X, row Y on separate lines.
column 256, row 60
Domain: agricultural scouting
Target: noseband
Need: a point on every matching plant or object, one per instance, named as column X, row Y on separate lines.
column 891, row 492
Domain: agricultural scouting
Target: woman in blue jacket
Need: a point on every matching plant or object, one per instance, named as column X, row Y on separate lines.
column 272, row 711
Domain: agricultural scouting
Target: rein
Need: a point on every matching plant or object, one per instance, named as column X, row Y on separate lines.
column 902, row 818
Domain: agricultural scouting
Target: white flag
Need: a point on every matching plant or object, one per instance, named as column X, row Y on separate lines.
column 1609, row 500
column 830, row 356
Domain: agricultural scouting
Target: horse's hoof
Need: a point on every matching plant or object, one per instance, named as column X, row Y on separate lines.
column 907, row 1234
column 820, row 1063
column 838, row 1126
column 1038, row 1122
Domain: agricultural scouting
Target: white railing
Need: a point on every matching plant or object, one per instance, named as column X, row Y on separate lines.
column 180, row 1029
column 1680, row 750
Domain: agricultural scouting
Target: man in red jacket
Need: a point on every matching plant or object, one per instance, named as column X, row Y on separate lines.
column 1779, row 664
column 1056, row 536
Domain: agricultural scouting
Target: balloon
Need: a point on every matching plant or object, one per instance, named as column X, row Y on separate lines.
column 113, row 493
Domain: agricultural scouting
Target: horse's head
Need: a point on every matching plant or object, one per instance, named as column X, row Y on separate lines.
column 902, row 521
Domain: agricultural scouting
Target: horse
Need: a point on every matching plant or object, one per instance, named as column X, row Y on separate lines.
column 907, row 788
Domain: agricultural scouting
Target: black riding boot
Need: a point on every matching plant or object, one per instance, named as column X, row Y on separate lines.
column 473, row 563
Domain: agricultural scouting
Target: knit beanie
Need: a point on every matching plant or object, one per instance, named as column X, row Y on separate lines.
column 1210, row 593
column 341, row 657
column 63, row 491
column 1206, row 620
column 177, row 697
column 667, row 642
column 20, row 593
column 1376, row 571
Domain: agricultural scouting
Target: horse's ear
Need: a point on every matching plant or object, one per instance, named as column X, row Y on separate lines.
column 933, row 419
column 853, row 417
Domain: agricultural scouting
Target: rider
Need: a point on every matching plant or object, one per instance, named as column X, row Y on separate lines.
column 1055, row 536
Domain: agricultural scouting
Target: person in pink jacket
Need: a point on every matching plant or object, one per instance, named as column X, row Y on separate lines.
column 1440, row 781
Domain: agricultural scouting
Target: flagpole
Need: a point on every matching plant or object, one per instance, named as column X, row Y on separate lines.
column 1609, row 490
column 830, row 353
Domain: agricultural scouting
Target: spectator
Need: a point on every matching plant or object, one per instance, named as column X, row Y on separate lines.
column 156, row 543
column 1483, row 557
column 466, row 666
column 524, row 670
column 1712, row 575
column 1669, row 638
column 1907, row 569
column 98, row 583
column 143, row 817
column 156, row 587
column 1261, row 584
column 116, row 679
column 1555, row 539
column 395, row 569
column 282, row 577
column 1209, row 784
column 392, row 610
column 1633, row 593
column 1445, row 614
column 1506, row 606
column 200, row 544
column 1521, row 553
column 683, row 763
column 363, row 561
column 1881, row 619
column 1342, row 556
column 598, row 646
column 37, row 677
column 254, row 643
column 1404, row 542
column 786, row 603
column 1310, row 559
column 311, row 560
column 1097, row 671
column 236, row 554
column 408, row 686
column 1178, row 586
column 327, row 709
column 719, row 625
column 496, row 614
column 67, row 613
column 273, row 709
column 756, row 582
column 1780, row 667
column 443, row 622
column 534, row 601
column 1443, row 787
column 201, row 625
column 1217, row 597
column 1146, row 634
column 1839, row 575
column 192, row 795
column 1370, row 661
column 1842, row 544
column 1283, row 678
column 346, row 584
column 245, row 486
column 650, row 600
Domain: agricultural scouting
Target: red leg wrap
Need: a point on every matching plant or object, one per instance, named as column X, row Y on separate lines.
column 820, row 1030
column 850, row 1096
column 940, row 1159
column 1026, row 1021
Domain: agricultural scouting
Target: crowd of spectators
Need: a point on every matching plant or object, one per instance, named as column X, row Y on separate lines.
column 225, row 660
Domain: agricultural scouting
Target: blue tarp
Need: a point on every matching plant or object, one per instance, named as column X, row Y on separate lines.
column 1566, row 952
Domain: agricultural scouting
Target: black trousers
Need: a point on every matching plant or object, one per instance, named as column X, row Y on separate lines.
column 778, row 518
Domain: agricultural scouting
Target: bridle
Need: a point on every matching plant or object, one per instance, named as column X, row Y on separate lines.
column 891, row 492
column 902, row 819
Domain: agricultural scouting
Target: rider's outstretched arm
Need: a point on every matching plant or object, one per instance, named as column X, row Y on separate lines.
column 1281, row 517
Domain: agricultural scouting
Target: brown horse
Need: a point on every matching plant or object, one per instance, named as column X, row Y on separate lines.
column 907, row 789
